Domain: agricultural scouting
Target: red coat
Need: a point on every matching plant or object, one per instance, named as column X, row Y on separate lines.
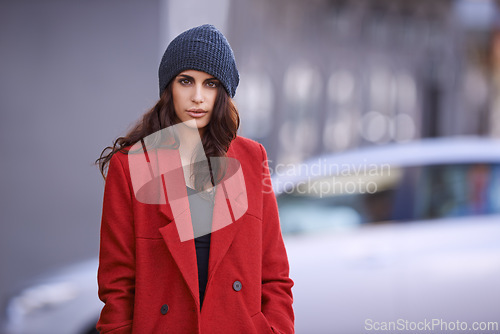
column 148, row 277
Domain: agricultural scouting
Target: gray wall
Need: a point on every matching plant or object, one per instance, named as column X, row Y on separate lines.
column 73, row 75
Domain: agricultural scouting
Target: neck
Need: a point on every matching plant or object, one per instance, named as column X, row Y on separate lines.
column 189, row 139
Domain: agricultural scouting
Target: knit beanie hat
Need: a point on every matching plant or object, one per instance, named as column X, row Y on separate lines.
column 202, row 48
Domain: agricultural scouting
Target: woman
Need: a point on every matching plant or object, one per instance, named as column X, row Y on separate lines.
column 190, row 235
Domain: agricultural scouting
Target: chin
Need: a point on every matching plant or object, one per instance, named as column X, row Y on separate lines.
column 201, row 124
column 198, row 126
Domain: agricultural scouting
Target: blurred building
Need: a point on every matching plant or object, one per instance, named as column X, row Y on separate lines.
column 329, row 75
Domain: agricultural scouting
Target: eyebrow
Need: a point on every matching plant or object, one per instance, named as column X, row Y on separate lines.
column 191, row 78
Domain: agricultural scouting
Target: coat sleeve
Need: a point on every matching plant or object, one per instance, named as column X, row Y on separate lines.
column 276, row 284
column 116, row 273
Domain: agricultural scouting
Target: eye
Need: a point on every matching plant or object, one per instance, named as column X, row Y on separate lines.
column 184, row 81
column 213, row 84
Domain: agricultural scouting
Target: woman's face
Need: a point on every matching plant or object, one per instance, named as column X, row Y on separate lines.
column 194, row 94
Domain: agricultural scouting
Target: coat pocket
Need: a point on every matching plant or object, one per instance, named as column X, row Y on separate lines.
column 260, row 323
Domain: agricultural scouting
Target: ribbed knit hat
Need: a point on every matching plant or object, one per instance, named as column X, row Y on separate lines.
column 202, row 48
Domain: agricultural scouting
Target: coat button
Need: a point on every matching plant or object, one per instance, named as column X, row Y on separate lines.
column 164, row 309
column 237, row 285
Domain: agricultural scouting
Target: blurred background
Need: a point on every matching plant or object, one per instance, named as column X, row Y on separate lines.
column 318, row 77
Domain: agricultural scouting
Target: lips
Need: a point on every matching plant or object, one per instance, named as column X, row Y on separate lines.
column 196, row 113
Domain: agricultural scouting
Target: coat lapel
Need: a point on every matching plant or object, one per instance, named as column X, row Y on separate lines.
column 229, row 207
column 178, row 233
column 231, row 203
column 184, row 255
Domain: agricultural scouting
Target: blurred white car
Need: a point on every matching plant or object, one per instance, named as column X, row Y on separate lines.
column 395, row 235
column 60, row 302
column 406, row 234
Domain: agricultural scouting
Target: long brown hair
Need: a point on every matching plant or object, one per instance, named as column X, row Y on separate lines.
column 217, row 137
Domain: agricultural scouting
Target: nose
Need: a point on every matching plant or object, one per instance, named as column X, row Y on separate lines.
column 198, row 94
